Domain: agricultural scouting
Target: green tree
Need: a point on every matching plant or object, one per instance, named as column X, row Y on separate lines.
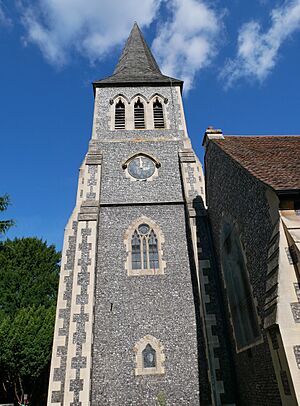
column 5, row 224
column 29, row 271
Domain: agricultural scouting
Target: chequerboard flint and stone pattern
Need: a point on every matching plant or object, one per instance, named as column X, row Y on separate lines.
column 108, row 312
column 79, row 337
column 64, row 314
column 296, row 306
column 92, row 182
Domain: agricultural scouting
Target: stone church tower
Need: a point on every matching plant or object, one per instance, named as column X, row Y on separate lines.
column 132, row 327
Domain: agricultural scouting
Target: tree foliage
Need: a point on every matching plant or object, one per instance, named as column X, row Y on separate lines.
column 5, row 224
column 29, row 271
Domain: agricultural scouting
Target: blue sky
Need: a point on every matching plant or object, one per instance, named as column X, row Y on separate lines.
column 240, row 61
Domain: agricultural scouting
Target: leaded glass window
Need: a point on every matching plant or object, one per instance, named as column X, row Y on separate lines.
column 144, row 248
column 136, row 251
column 149, row 357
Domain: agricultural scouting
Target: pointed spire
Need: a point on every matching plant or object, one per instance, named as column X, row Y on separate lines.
column 136, row 58
column 136, row 64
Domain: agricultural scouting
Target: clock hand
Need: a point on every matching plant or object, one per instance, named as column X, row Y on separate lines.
column 141, row 163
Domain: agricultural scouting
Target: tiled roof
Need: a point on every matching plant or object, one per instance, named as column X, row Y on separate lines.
column 275, row 160
column 136, row 64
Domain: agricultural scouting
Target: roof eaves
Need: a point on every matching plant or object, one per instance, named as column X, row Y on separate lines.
column 148, row 82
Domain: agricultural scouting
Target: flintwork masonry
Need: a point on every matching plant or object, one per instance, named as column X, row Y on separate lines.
column 138, row 319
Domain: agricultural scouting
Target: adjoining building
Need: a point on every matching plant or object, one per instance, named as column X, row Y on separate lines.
column 253, row 198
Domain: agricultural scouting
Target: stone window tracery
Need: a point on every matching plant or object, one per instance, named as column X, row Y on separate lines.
column 144, row 249
column 144, row 252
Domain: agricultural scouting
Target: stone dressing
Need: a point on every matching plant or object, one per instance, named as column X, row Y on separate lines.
column 135, row 324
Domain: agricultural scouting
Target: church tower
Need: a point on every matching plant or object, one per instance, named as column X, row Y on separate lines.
column 130, row 324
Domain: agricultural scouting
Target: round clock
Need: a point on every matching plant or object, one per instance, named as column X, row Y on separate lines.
column 141, row 167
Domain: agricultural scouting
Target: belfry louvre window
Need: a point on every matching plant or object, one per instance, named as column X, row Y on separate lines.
column 158, row 115
column 139, row 115
column 144, row 249
column 120, row 116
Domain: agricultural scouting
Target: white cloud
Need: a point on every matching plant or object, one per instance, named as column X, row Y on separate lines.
column 4, row 19
column 91, row 28
column 258, row 51
column 187, row 42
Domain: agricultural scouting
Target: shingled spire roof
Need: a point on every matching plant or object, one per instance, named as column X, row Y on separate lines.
column 136, row 65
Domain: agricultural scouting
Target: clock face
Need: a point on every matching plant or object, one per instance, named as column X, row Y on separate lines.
column 141, row 167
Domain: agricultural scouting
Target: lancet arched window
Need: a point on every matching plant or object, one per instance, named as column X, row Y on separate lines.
column 139, row 115
column 120, row 116
column 158, row 114
column 144, row 249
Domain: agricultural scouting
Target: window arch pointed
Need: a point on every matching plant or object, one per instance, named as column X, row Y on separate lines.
column 120, row 115
column 158, row 114
column 139, row 115
column 143, row 241
column 149, row 356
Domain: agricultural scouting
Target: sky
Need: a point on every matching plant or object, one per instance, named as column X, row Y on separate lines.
column 239, row 60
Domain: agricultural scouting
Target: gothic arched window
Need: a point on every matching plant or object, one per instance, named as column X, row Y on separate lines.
column 158, row 114
column 120, row 116
column 149, row 356
column 144, row 249
column 139, row 115
column 144, row 241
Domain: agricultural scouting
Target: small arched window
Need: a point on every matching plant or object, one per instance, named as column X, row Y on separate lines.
column 158, row 115
column 120, row 116
column 149, row 356
column 144, row 249
column 139, row 115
